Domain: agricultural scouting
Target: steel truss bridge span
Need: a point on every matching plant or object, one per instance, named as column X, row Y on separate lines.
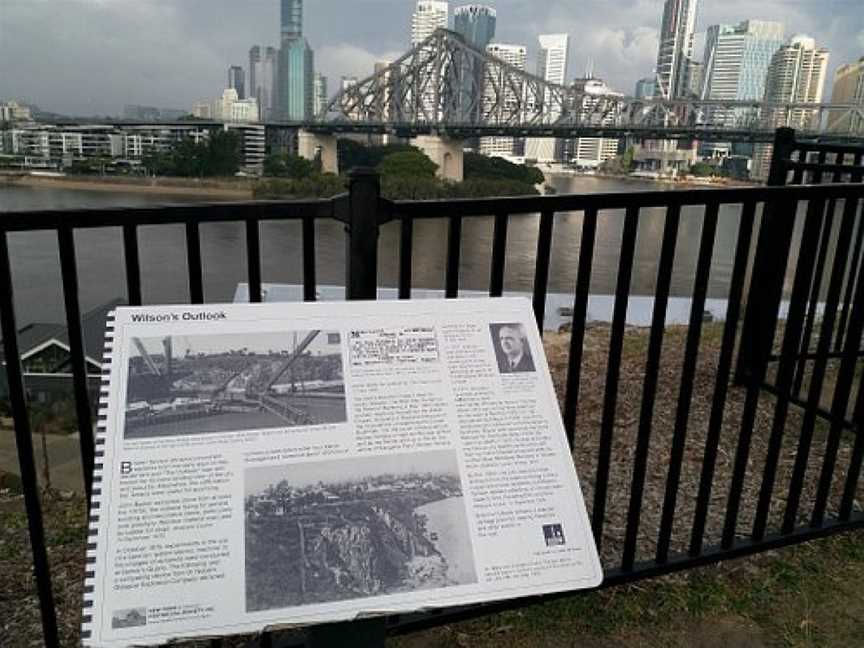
column 446, row 86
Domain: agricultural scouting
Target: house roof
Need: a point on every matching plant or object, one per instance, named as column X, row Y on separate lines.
column 36, row 334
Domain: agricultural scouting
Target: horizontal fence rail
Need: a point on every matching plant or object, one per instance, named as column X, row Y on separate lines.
column 677, row 541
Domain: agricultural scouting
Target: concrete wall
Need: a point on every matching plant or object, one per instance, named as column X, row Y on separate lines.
column 309, row 144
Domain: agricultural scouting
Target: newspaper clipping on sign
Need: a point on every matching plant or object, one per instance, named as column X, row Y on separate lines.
column 263, row 465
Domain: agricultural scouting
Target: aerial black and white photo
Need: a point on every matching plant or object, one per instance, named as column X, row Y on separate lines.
column 199, row 384
column 130, row 618
column 352, row 528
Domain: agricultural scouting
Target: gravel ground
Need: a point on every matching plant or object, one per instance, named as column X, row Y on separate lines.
column 19, row 613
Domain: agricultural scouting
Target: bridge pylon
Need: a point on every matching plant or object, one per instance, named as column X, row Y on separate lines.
column 312, row 145
column 446, row 152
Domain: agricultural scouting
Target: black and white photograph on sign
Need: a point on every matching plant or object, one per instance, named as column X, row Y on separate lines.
column 130, row 618
column 200, row 384
column 553, row 534
column 511, row 348
column 352, row 528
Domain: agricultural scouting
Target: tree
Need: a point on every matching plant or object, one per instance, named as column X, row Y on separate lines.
column 353, row 154
column 288, row 166
column 477, row 165
column 222, row 156
column 408, row 163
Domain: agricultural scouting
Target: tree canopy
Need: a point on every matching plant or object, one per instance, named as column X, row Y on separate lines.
column 413, row 163
column 218, row 155
column 496, row 168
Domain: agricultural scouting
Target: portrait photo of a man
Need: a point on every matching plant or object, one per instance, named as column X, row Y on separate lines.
column 511, row 348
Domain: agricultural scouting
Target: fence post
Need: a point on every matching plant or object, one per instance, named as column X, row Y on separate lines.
column 766, row 283
column 361, row 254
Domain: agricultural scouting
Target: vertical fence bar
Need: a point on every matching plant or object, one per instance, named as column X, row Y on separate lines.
column 819, row 366
column 854, row 473
column 69, row 272
column 827, row 225
column 852, row 272
column 541, row 267
column 775, row 217
column 616, row 344
column 763, row 303
column 499, row 255
column 798, row 173
column 721, row 385
column 406, row 243
column 133, row 264
column 577, row 327
column 454, row 250
column 253, row 259
column 788, row 360
column 24, row 446
column 309, row 281
column 688, row 371
column 649, row 390
column 193, row 259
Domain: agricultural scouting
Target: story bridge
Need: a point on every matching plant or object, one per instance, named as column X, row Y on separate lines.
column 444, row 91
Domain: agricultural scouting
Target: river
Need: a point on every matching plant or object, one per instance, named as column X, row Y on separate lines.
column 37, row 281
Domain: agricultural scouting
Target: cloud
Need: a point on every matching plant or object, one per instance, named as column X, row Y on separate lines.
column 348, row 60
column 94, row 56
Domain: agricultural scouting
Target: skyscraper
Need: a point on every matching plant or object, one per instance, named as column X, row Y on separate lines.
column 796, row 75
column 428, row 16
column 848, row 89
column 515, row 55
column 295, row 84
column 262, row 78
column 292, row 20
column 675, row 55
column 552, row 67
column 736, row 62
column 476, row 23
column 237, row 80
column 646, row 88
column 320, row 91
column 295, row 80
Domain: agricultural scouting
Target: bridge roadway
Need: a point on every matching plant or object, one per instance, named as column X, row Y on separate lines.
column 467, row 131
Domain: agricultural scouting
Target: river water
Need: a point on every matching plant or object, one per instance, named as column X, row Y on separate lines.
column 37, row 281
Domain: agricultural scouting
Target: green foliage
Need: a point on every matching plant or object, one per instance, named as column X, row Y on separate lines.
column 288, row 166
column 413, row 164
column 405, row 187
column 620, row 165
column 482, row 166
column 705, row 170
column 323, row 185
column 219, row 155
column 353, row 154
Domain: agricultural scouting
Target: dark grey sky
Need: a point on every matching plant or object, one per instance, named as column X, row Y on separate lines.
column 94, row 56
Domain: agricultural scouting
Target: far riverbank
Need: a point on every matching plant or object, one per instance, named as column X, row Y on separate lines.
column 222, row 189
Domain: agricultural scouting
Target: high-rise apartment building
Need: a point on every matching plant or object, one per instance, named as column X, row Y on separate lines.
column 476, row 23
column 515, row 55
column 237, row 80
column 736, row 64
column 428, row 16
column 295, row 83
column 591, row 152
column 551, row 67
column 796, row 75
column 291, row 20
column 675, row 55
column 263, row 64
column 320, row 92
column 848, row 88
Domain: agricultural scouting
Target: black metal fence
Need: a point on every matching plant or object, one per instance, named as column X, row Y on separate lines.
column 770, row 211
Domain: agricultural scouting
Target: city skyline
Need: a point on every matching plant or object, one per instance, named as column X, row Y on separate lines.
column 622, row 35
